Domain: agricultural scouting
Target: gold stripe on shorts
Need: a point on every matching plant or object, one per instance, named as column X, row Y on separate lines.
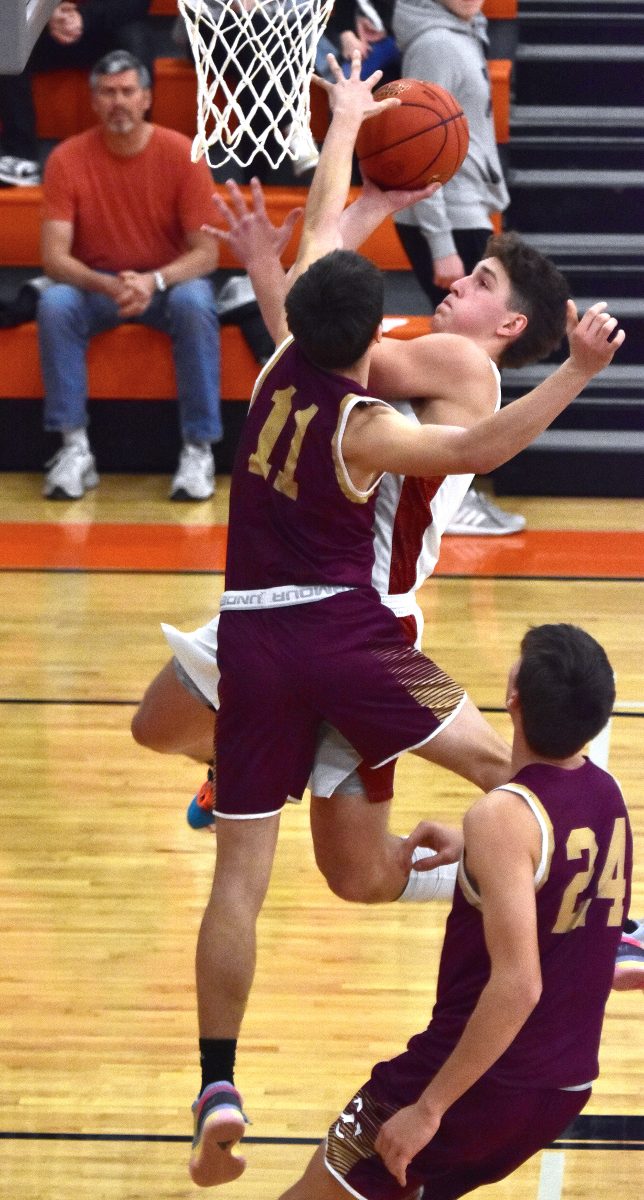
column 424, row 680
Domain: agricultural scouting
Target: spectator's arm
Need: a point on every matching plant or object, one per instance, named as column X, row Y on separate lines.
column 58, row 261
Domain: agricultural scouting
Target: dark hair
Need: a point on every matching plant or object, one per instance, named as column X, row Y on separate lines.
column 334, row 309
column 566, row 688
column 115, row 63
column 539, row 291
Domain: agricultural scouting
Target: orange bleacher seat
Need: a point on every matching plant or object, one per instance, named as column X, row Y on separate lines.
column 63, row 105
column 135, row 363
column 503, row 10
column 163, row 8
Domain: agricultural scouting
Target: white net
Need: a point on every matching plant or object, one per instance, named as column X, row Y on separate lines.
column 254, row 60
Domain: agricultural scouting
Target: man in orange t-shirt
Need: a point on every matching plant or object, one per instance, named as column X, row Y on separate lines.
column 122, row 238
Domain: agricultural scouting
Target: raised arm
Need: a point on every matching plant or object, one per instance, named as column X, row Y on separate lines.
column 380, row 440
column 351, row 102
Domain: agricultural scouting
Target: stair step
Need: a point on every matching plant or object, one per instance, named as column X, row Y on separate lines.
column 616, row 380
column 616, row 441
column 577, row 152
column 561, row 116
column 580, row 27
column 573, row 52
column 551, row 8
column 613, row 180
column 587, row 246
column 579, row 75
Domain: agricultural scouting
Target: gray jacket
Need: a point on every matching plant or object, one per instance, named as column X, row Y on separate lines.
column 442, row 48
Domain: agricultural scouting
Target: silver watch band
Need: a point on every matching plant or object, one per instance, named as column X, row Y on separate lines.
column 160, row 282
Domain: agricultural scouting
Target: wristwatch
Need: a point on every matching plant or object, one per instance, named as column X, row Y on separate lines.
column 160, row 282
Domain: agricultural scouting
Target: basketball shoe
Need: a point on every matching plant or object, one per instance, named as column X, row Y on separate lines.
column 629, row 964
column 219, row 1125
column 70, row 472
column 478, row 516
column 195, row 475
column 19, row 172
column 200, row 809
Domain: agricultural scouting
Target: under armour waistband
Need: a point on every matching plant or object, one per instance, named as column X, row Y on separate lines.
column 279, row 597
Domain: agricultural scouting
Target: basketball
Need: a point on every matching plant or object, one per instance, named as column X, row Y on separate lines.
column 422, row 140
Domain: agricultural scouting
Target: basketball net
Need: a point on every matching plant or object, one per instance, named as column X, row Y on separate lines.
column 254, row 61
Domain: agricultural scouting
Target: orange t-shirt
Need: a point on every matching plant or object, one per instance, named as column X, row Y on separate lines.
column 128, row 213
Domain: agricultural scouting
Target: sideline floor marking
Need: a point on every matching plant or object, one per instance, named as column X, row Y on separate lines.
column 551, row 1175
column 541, row 553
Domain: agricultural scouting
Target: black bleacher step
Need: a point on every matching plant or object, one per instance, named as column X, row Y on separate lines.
column 576, row 201
column 621, row 381
column 596, row 8
column 576, row 463
column 579, row 74
column 577, row 150
column 585, row 118
column 598, row 264
column 580, row 26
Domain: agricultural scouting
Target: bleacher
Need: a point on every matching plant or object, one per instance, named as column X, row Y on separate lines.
column 131, row 363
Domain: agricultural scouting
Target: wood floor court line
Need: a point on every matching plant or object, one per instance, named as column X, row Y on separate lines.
column 540, row 553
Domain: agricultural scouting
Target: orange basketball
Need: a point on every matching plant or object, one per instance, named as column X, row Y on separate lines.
column 422, row 140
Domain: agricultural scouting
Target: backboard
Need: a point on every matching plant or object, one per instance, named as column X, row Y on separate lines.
column 21, row 21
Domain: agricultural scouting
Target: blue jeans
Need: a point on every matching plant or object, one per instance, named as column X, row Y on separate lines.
column 68, row 317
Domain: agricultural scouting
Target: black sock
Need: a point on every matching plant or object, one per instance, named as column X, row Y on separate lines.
column 217, row 1060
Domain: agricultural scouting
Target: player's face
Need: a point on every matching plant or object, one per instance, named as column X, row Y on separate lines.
column 120, row 102
column 477, row 304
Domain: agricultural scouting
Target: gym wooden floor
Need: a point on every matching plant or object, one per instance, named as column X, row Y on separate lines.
column 103, row 883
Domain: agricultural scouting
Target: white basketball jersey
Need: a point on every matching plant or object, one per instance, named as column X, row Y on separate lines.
column 410, row 518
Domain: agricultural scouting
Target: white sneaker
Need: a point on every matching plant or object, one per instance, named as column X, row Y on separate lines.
column 302, row 151
column 19, row 172
column 195, row 475
column 477, row 515
column 70, row 472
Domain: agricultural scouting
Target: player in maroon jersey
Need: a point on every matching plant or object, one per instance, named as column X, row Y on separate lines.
column 511, row 1051
column 303, row 636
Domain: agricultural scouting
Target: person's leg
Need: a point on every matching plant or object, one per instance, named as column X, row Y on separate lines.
column 355, row 849
column 188, row 314
column 67, row 318
column 171, row 720
column 18, row 117
column 225, row 967
column 316, row 1183
column 471, row 748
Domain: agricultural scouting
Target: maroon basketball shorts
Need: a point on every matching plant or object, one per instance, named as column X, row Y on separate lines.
column 483, row 1137
column 343, row 659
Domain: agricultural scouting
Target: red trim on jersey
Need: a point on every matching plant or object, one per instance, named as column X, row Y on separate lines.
column 413, row 518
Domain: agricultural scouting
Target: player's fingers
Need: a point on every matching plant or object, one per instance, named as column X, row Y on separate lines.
column 431, row 861
column 572, row 320
column 216, row 232
column 334, row 66
column 236, row 198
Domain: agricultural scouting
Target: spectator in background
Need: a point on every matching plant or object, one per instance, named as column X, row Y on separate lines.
column 76, row 35
column 445, row 42
column 122, row 238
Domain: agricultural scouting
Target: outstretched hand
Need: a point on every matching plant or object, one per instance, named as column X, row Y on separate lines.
column 249, row 231
column 594, row 339
column 352, row 90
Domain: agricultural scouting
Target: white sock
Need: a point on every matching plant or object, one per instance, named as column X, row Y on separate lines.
column 430, row 885
column 76, row 437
